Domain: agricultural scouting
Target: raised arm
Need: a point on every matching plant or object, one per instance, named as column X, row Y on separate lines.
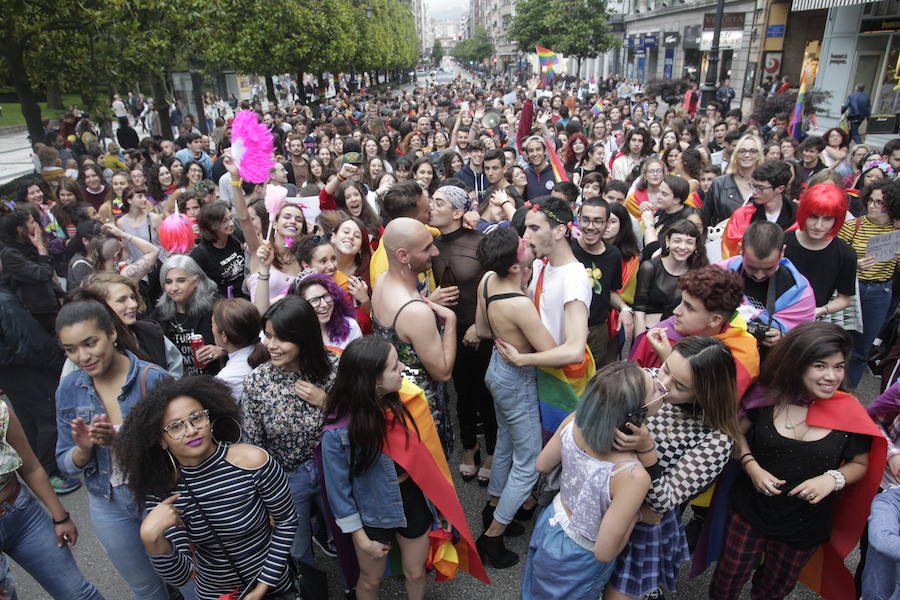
column 150, row 252
column 239, row 201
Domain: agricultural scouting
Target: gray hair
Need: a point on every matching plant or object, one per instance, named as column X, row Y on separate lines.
column 612, row 393
column 205, row 295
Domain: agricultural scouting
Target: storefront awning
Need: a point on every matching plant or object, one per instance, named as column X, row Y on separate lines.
column 799, row 5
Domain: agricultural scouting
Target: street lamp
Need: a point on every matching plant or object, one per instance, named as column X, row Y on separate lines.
column 708, row 89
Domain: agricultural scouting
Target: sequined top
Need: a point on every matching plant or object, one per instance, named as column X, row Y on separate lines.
column 584, row 485
column 9, row 458
column 277, row 419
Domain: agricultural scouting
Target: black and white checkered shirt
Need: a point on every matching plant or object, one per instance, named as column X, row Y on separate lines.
column 690, row 454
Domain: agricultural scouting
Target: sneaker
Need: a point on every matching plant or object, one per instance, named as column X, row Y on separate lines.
column 64, row 485
column 325, row 545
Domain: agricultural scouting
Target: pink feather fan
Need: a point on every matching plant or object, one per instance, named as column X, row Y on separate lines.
column 251, row 147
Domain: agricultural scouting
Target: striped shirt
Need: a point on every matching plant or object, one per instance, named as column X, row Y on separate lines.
column 237, row 503
column 857, row 233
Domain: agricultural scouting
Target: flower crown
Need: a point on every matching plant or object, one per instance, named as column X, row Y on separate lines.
column 879, row 164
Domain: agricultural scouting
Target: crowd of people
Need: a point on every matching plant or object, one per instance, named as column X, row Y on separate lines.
column 638, row 332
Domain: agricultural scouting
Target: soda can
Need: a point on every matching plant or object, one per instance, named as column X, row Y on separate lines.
column 197, row 343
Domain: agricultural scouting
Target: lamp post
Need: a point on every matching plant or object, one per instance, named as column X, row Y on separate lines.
column 708, row 89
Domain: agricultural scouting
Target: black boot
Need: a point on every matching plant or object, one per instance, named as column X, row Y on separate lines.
column 493, row 548
column 514, row 529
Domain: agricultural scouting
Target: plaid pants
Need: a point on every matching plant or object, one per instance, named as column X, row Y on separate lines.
column 773, row 580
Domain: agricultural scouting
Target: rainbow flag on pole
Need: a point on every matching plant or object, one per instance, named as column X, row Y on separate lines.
column 559, row 171
column 807, row 77
column 547, row 59
column 597, row 108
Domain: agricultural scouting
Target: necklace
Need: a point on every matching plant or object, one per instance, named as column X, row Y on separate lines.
column 791, row 426
column 287, row 261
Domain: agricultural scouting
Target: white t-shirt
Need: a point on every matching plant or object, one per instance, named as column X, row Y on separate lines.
column 561, row 285
column 119, row 108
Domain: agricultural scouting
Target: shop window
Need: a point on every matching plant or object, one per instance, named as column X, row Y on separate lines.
column 884, row 8
column 888, row 99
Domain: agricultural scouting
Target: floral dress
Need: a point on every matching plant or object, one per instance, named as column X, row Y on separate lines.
column 415, row 371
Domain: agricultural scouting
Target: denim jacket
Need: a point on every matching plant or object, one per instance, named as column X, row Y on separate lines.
column 372, row 499
column 76, row 397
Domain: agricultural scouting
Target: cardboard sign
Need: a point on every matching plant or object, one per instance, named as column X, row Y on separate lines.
column 884, row 246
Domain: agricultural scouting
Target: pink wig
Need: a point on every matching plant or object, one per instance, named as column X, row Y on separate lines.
column 176, row 233
column 826, row 200
column 251, row 147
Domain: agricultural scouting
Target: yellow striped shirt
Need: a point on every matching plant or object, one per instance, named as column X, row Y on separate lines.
column 857, row 233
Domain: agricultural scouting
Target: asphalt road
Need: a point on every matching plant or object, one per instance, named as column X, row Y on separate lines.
column 504, row 583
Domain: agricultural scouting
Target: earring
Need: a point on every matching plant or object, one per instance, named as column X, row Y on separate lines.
column 237, row 424
column 174, row 464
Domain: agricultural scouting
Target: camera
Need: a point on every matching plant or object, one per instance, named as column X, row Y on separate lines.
column 757, row 329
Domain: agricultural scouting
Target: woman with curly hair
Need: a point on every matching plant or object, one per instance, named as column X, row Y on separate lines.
column 191, row 175
column 451, row 162
column 412, row 145
column 837, row 146
column 333, row 308
column 218, row 510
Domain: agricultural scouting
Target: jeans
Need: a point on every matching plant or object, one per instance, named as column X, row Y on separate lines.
column 875, row 298
column 513, row 471
column 304, row 484
column 27, row 536
column 854, row 130
column 117, row 524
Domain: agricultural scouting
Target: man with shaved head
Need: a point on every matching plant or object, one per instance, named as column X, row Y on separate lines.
column 410, row 323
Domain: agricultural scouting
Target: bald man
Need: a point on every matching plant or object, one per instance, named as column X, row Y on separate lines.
column 409, row 322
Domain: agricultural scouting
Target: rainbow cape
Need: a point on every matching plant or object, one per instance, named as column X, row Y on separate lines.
column 559, row 171
column 735, row 336
column 422, row 457
column 825, row 573
column 547, row 59
column 560, row 388
column 796, row 305
column 807, row 77
column 734, row 229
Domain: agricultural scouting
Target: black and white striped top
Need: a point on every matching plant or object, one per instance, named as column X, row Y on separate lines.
column 238, row 503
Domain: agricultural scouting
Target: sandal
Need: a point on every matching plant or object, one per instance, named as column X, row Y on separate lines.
column 466, row 471
column 484, row 477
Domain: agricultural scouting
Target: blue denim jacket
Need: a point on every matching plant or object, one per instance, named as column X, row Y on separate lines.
column 881, row 578
column 372, row 499
column 76, row 397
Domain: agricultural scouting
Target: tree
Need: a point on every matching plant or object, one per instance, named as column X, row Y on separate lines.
column 578, row 28
column 437, row 53
column 476, row 48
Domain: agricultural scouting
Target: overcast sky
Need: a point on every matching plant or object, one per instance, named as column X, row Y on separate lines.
column 447, row 9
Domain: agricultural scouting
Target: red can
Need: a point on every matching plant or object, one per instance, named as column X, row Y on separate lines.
column 197, row 343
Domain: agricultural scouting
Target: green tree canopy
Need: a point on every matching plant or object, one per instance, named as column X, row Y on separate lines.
column 476, row 48
column 437, row 52
column 578, row 28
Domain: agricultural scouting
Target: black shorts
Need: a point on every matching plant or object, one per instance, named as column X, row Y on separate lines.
column 415, row 509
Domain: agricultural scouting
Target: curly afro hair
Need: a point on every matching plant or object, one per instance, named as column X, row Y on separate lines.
column 143, row 461
column 720, row 291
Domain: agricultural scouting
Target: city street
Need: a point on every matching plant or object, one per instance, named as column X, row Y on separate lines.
column 504, row 583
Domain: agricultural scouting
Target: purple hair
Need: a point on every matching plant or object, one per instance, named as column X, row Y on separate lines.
column 337, row 327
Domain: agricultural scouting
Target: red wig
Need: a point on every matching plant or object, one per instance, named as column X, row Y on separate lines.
column 824, row 199
column 568, row 153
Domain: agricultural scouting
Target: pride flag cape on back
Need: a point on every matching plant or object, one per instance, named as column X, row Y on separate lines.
column 559, row 389
column 547, row 59
column 825, row 573
column 735, row 336
column 422, row 457
column 559, row 171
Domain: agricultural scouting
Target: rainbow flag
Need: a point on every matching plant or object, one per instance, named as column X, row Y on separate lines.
column 807, row 77
column 597, row 108
column 559, row 171
column 559, row 388
column 423, row 458
column 547, row 59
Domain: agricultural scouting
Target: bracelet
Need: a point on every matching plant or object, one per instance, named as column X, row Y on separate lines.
column 744, row 463
column 743, row 456
column 341, row 178
column 237, row 182
column 262, row 277
column 839, row 479
column 61, row 521
column 648, row 450
column 625, row 309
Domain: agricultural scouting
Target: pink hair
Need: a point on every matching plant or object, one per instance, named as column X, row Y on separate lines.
column 824, row 199
column 176, row 233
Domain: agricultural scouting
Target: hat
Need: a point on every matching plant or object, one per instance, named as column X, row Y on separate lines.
column 351, row 158
column 456, row 195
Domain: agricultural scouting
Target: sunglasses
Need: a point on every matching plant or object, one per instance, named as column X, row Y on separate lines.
column 637, row 417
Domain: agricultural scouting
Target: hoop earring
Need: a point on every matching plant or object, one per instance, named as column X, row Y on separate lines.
column 236, row 422
column 174, row 464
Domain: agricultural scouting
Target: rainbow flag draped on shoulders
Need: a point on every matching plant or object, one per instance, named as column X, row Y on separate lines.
column 559, row 171
column 560, row 388
column 422, row 457
column 547, row 59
